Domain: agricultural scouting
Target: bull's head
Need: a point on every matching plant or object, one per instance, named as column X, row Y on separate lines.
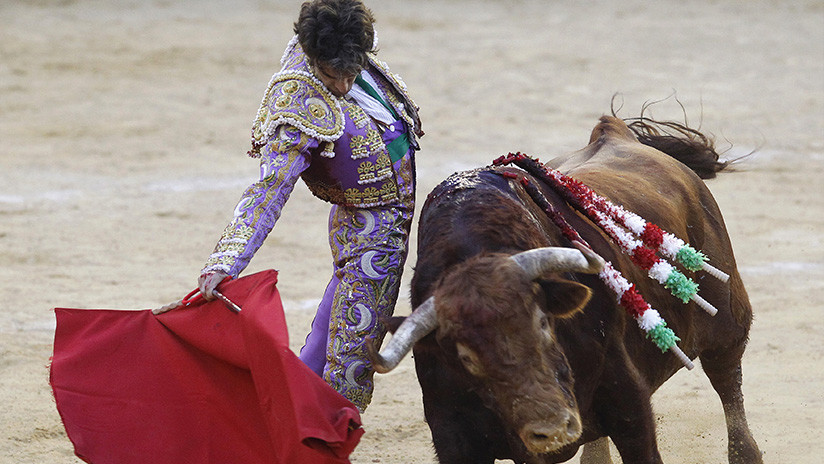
column 495, row 318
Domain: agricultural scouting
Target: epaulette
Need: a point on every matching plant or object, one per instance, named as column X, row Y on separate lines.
column 297, row 98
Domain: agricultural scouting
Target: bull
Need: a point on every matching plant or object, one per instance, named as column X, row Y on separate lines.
column 523, row 353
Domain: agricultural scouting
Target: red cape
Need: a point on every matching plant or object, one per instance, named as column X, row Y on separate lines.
column 199, row 384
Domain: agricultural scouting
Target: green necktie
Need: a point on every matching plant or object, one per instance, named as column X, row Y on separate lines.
column 400, row 146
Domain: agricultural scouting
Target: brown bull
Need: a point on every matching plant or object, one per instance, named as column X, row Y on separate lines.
column 522, row 353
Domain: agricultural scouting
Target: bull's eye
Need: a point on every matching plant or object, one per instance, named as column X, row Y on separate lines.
column 545, row 328
column 469, row 359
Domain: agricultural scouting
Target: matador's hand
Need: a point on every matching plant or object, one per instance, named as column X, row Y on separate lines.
column 209, row 282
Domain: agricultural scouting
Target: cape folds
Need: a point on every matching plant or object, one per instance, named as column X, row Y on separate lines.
column 199, row 384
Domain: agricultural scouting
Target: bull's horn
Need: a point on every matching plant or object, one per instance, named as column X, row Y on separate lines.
column 540, row 261
column 421, row 322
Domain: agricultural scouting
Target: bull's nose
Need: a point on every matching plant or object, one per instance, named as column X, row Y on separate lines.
column 543, row 436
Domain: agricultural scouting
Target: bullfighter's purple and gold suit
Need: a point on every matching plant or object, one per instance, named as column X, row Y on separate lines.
column 366, row 170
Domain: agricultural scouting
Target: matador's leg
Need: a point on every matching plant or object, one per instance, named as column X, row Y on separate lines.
column 370, row 248
column 313, row 353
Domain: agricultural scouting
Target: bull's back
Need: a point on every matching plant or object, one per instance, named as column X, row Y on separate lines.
column 642, row 179
column 666, row 192
column 651, row 184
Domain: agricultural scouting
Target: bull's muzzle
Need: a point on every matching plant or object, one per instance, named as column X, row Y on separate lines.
column 546, row 436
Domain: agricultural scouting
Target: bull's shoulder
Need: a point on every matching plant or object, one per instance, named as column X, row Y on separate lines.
column 473, row 212
column 483, row 179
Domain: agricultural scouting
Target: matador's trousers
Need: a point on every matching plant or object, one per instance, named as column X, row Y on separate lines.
column 369, row 249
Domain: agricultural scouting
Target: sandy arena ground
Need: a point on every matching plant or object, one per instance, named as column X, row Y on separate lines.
column 124, row 126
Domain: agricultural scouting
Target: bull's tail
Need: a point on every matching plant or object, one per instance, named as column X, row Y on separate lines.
column 687, row 145
column 683, row 143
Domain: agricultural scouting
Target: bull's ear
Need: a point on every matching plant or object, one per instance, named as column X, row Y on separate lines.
column 565, row 297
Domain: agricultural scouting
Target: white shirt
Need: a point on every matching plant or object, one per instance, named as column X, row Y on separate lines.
column 372, row 107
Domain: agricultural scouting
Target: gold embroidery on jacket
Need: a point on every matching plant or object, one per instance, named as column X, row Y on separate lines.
column 376, row 144
column 356, row 114
column 366, row 172
column 383, row 166
column 360, row 147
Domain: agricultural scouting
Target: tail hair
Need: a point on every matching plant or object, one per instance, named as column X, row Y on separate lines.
column 687, row 145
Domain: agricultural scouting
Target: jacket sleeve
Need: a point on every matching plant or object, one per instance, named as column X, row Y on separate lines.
column 283, row 159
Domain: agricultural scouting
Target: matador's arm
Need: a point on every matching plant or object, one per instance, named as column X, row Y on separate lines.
column 283, row 159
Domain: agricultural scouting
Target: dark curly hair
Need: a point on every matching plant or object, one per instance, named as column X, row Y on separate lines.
column 337, row 33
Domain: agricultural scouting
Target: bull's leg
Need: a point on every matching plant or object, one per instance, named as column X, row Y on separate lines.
column 453, row 437
column 596, row 452
column 625, row 414
column 724, row 372
column 458, row 421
